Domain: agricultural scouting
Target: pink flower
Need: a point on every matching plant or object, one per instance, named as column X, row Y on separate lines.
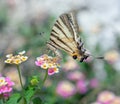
column 116, row 100
column 65, row 89
column 71, row 64
column 10, row 83
column 53, row 70
column 105, row 97
column 94, row 83
column 39, row 61
column 82, row 86
column 75, row 76
column 96, row 103
column 49, row 63
column 5, row 86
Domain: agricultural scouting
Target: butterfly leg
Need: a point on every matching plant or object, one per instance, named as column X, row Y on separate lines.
column 84, row 57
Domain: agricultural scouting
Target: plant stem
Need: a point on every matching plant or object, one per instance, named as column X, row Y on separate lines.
column 44, row 79
column 19, row 72
column 46, row 74
column 2, row 101
column 20, row 77
column 39, row 88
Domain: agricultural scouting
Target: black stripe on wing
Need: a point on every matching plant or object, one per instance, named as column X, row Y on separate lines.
column 61, row 44
column 58, row 46
column 64, row 30
column 73, row 20
column 75, row 26
column 67, row 21
column 60, row 40
column 60, row 28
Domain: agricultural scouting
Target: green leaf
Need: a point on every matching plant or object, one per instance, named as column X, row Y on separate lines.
column 28, row 94
column 14, row 99
column 22, row 101
column 37, row 100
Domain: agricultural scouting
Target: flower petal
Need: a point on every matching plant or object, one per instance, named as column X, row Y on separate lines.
column 51, row 71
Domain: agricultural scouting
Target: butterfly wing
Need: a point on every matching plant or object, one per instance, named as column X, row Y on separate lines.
column 63, row 35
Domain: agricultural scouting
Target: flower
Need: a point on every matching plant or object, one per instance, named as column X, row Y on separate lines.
column 70, row 65
column 96, row 103
column 65, row 89
column 2, row 81
column 16, row 59
column 82, row 86
column 75, row 76
column 48, row 62
column 94, row 83
column 44, row 66
column 105, row 97
column 40, row 61
column 112, row 56
column 5, row 86
column 53, row 70
column 116, row 100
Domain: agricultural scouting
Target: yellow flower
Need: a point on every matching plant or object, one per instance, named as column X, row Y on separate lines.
column 112, row 56
column 24, row 58
column 2, row 81
column 44, row 66
column 50, row 65
column 56, row 70
column 8, row 61
column 16, row 59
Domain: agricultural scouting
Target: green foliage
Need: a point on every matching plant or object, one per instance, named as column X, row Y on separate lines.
column 28, row 95
column 14, row 99
column 37, row 100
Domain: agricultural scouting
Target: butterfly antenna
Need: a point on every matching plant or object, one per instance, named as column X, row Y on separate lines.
column 98, row 57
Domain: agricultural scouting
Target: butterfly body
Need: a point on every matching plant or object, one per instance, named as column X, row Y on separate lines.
column 65, row 36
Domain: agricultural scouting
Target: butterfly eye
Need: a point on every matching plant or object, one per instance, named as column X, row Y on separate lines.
column 75, row 57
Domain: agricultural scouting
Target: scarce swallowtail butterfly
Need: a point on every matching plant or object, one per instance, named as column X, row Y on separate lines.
column 65, row 36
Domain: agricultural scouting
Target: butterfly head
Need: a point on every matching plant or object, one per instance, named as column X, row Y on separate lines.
column 80, row 56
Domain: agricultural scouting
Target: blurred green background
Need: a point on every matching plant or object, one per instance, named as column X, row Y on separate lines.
column 26, row 25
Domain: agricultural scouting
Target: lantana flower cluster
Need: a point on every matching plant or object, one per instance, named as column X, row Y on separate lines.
column 107, row 97
column 5, row 86
column 81, row 85
column 16, row 59
column 48, row 62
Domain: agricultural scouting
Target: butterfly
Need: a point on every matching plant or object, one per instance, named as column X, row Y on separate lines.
column 65, row 36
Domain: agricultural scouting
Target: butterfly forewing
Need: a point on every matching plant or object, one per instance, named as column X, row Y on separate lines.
column 75, row 26
column 64, row 35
